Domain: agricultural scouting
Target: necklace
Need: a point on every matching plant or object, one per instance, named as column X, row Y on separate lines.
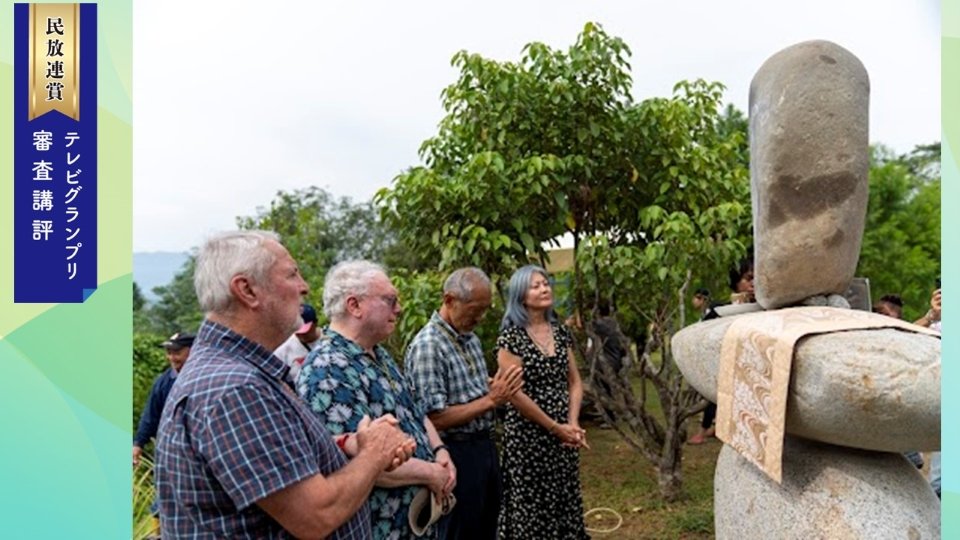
column 468, row 358
column 546, row 346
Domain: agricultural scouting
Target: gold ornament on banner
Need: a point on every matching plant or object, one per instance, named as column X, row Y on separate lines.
column 54, row 60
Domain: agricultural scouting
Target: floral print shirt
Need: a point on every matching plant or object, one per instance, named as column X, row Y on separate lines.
column 341, row 383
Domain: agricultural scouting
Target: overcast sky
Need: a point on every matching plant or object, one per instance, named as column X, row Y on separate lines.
column 236, row 100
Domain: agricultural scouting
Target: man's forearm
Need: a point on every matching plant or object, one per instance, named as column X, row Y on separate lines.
column 319, row 505
column 413, row 472
column 458, row 415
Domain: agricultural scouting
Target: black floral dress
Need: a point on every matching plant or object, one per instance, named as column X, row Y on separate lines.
column 541, row 497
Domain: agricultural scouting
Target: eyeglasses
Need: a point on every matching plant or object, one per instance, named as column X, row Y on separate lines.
column 391, row 300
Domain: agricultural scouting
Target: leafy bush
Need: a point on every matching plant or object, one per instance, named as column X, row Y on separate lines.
column 149, row 361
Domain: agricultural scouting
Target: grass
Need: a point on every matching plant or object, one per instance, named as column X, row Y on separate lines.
column 143, row 495
column 615, row 476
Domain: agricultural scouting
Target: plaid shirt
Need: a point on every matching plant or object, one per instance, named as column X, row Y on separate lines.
column 447, row 368
column 233, row 433
column 341, row 383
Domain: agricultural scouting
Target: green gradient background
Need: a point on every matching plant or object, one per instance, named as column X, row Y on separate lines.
column 65, row 369
column 950, row 126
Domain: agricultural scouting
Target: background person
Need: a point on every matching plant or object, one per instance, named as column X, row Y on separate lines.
column 296, row 348
column 542, row 434
column 612, row 352
column 741, row 285
column 446, row 367
column 701, row 303
column 177, row 348
column 931, row 319
column 890, row 305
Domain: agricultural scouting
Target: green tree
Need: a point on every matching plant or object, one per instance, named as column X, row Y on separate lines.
column 525, row 152
column 901, row 242
column 138, row 300
column 320, row 231
column 176, row 308
column 554, row 144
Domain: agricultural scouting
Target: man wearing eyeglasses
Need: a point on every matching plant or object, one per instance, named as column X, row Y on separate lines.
column 350, row 375
column 446, row 366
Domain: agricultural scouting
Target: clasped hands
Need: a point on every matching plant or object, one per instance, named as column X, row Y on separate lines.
column 444, row 477
column 384, row 438
column 570, row 435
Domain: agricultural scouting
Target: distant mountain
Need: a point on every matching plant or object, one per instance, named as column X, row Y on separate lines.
column 156, row 268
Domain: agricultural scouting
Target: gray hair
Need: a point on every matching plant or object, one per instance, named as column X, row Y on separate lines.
column 516, row 313
column 464, row 281
column 345, row 279
column 225, row 256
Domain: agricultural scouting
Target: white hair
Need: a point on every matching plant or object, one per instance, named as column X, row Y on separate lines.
column 226, row 255
column 345, row 279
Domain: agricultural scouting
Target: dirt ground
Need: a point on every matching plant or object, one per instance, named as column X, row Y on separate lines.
column 615, row 476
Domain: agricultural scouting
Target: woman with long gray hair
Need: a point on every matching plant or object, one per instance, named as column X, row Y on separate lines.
column 542, row 435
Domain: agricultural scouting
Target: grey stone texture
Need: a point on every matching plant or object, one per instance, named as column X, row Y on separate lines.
column 869, row 389
column 808, row 166
column 827, row 492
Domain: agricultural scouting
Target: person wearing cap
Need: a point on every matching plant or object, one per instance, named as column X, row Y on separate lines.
column 301, row 342
column 350, row 374
column 702, row 303
column 177, row 348
column 446, row 367
column 239, row 455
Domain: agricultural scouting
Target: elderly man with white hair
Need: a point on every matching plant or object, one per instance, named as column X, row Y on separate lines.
column 350, row 375
column 238, row 454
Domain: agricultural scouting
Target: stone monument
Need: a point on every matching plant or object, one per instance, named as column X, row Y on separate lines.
column 815, row 400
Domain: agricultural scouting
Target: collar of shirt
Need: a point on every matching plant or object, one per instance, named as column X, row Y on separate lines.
column 220, row 337
column 350, row 347
column 462, row 339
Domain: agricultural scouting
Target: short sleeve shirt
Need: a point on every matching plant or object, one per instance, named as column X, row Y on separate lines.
column 341, row 383
column 233, row 433
column 446, row 368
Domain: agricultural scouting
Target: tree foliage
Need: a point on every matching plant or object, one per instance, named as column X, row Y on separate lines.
column 554, row 144
column 176, row 308
column 524, row 153
column 901, row 242
column 320, row 231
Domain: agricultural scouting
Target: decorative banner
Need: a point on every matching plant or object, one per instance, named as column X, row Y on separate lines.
column 54, row 59
column 756, row 358
column 55, row 152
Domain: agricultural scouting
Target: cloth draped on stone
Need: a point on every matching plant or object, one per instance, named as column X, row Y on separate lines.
column 755, row 360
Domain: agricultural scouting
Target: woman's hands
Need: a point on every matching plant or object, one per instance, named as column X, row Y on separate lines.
column 570, row 435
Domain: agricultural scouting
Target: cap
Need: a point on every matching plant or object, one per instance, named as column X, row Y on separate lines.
column 702, row 292
column 309, row 316
column 178, row 341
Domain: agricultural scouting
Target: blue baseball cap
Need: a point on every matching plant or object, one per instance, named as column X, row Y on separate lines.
column 309, row 316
